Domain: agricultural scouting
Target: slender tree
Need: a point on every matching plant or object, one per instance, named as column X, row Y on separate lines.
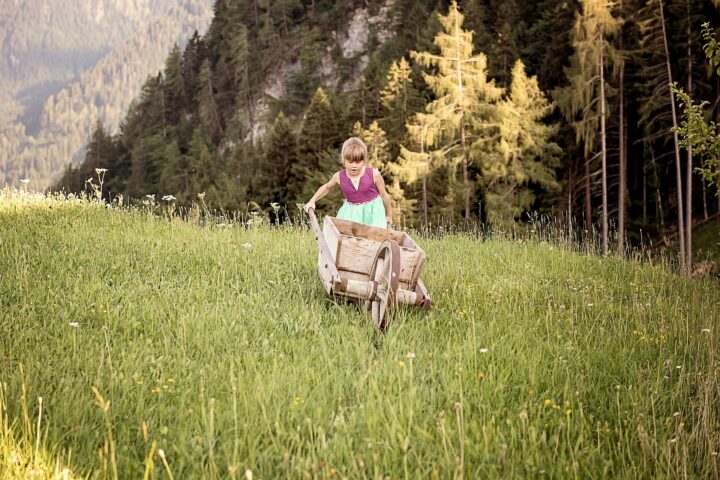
column 464, row 96
column 658, row 71
column 584, row 101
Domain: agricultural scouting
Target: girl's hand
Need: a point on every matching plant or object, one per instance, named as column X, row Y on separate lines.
column 309, row 206
column 389, row 221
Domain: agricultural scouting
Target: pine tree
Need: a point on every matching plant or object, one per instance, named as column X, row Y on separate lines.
column 240, row 58
column 400, row 100
column 319, row 132
column 464, row 98
column 175, row 175
column 207, row 106
column 509, row 26
column 526, row 156
column 174, row 87
column 206, row 173
column 192, row 59
column 477, row 20
column 271, row 177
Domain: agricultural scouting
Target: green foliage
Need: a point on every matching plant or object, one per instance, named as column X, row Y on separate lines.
column 463, row 104
column 271, row 177
column 525, row 155
column 319, row 132
column 694, row 131
column 400, row 100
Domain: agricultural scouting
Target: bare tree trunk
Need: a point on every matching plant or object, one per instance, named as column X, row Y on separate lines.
column 644, row 197
column 466, row 181
column 689, row 168
column 704, row 195
column 424, row 201
column 571, row 185
column 678, row 169
column 603, row 143
column 658, row 199
column 622, row 161
column 588, row 205
column 622, row 158
column 424, row 190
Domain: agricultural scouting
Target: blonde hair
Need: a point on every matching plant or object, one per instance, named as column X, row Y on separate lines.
column 354, row 150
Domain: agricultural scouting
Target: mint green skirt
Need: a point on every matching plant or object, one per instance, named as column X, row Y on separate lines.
column 368, row 213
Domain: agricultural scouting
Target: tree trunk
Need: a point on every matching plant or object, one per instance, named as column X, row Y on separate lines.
column 678, row 169
column 588, row 205
column 604, row 158
column 644, row 198
column 689, row 168
column 424, row 201
column 704, row 195
column 622, row 157
column 658, row 199
column 622, row 161
column 466, row 181
column 571, row 184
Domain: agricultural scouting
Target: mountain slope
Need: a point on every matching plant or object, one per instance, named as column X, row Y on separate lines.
column 109, row 59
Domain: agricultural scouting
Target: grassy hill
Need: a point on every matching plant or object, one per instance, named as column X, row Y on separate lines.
column 205, row 350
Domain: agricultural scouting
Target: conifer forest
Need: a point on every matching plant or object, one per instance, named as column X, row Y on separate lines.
column 477, row 111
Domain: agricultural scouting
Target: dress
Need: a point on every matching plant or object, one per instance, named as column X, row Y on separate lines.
column 364, row 204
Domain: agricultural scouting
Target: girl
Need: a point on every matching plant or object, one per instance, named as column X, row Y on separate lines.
column 366, row 200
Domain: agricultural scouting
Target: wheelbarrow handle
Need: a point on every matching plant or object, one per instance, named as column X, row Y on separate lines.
column 327, row 259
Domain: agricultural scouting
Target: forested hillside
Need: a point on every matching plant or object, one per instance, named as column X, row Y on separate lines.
column 66, row 64
column 488, row 108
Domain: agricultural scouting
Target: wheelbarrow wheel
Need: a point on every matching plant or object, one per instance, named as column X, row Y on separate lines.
column 385, row 272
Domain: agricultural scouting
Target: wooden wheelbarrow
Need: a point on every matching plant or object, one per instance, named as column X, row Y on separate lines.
column 377, row 266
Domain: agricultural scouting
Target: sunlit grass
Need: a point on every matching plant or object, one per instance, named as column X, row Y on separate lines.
column 214, row 343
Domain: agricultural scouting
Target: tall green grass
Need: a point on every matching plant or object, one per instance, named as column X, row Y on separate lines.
column 164, row 348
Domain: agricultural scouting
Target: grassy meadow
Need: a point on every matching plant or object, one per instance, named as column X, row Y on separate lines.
column 137, row 346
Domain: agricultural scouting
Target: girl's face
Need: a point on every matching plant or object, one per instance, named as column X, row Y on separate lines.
column 353, row 168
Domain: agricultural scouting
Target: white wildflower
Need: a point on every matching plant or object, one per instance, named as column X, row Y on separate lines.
column 100, row 170
column 248, row 474
column 410, row 355
column 74, row 324
column 590, row 304
column 247, row 246
column 201, row 195
column 705, row 330
column 484, row 350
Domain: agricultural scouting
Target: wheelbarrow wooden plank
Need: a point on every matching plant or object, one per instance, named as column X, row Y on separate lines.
column 356, row 255
column 353, row 229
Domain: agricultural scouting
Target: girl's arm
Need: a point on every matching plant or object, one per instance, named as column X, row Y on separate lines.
column 380, row 184
column 321, row 192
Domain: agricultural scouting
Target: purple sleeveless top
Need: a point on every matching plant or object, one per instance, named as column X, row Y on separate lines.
column 366, row 190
